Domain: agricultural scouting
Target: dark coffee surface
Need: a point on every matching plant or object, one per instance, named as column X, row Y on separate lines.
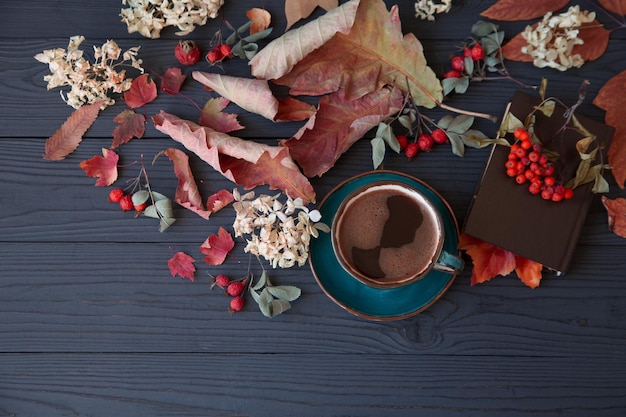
column 389, row 234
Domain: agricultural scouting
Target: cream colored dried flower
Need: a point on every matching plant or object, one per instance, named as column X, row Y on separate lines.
column 89, row 82
column 278, row 231
column 427, row 9
column 149, row 17
column 552, row 42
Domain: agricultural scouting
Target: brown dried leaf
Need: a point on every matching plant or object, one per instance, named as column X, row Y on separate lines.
column 616, row 210
column 615, row 6
column 290, row 109
column 512, row 10
column 67, row 138
column 615, row 106
column 187, row 193
column 301, row 9
column 130, row 125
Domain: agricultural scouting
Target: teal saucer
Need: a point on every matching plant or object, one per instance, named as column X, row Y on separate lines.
column 369, row 302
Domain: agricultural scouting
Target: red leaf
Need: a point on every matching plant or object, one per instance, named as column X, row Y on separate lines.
column 290, row 109
column 617, row 215
column 257, row 164
column 337, row 125
column 182, row 265
column 219, row 200
column 142, row 91
column 172, row 81
column 104, row 167
column 616, row 6
column 187, row 194
column 528, row 271
column 217, row 246
column 488, row 260
column 213, row 117
column 130, row 125
column 615, row 107
column 512, row 10
column 67, row 138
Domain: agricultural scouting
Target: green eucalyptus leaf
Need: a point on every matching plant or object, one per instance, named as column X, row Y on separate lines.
column 477, row 139
column 483, row 28
column 235, row 35
column 491, row 46
column 158, row 196
column 492, row 62
column 255, row 295
column 378, row 151
column 164, row 208
column 250, row 50
column 456, row 140
column 461, row 85
column 279, row 307
column 448, row 85
column 285, row 292
column 164, row 223
column 265, row 303
column 140, row 197
column 547, row 108
column 255, row 37
column 445, row 121
column 460, row 124
column 469, row 64
column 600, row 185
column 263, row 281
column 406, row 122
column 151, row 211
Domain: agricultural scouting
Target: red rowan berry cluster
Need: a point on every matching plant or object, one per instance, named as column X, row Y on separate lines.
column 219, row 53
column 125, row 200
column 528, row 165
column 423, row 143
column 232, row 288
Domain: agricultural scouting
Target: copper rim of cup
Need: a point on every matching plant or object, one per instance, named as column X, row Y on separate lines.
column 393, row 282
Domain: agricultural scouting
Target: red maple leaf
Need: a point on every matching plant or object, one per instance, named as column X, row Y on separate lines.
column 217, row 246
column 104, row 167
column 130, row 125
column 142, row 91
column 172, row 81
column 181, row 264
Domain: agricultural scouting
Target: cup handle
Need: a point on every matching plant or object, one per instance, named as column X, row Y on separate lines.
column 449, row 263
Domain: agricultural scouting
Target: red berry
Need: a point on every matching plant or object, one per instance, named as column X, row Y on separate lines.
column 411, row 150
column 439, row 136
column 402, row 141
column 533, row 156
column 526, row 144
column 520, row 179
column 141, row 207
column 557, row 197
column 237, row 303
column 537, row 147
column 222, row 280
column 467, row 52
column 568, row 193
column 126, row 202
column 458, row 63
column 529, row 174
column 510, row 164
column 477, row 52
column 214, row 55
column 236, row 288
column 511, row 172
column 116, row 195
column 226, row 50
column 425, row 142
column 534, row 188
column 453, row 74
column 543, row 160
column 549, row 181
column 546, row 195
column 187, row 52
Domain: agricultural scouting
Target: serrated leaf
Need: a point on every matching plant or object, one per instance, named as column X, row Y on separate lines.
column 513, row 10
column 460, row 124
column 104, row 167
column 378, row 151
column 285, row 292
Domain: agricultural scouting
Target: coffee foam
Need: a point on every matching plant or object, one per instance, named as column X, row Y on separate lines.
column 363, row 223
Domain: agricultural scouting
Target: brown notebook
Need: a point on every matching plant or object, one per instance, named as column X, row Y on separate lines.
column 507, row 215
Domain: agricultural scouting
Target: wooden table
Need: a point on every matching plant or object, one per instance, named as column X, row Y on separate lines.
column 92, row 322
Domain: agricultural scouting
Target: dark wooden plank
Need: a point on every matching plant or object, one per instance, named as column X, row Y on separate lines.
column 111, row 297
column 211, row 384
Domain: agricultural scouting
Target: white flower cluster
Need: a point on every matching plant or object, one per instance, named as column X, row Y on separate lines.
column 279, row 232
column 427, row 9
column 148, row 17
column 89, row 82
column 551, row 43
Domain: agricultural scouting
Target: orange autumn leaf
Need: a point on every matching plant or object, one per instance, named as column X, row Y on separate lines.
column 296, row 10
column 528, row 271
column 615, row 6
column 616, row 210
column 513, row 10
column 615, row 107
column 141, row 92
column 489, row 260
column 103, row 167
column 260, row 19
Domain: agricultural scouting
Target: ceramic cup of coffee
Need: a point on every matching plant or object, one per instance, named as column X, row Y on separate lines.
column 389, row 234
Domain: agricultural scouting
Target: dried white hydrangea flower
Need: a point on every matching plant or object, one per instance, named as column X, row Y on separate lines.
column 149, row 17
column 278, row 231
column 89, row 82
column 427, row 9
column 552, row 42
